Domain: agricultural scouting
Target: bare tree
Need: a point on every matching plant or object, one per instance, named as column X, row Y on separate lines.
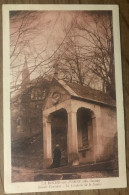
column 26, row 40
column 84, row 54
column 98, row 34
column 72, row 63
column 88, row 53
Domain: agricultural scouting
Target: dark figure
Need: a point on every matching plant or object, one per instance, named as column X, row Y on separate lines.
column 56, row 158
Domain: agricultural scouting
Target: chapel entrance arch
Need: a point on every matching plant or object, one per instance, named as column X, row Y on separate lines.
column 59, row 123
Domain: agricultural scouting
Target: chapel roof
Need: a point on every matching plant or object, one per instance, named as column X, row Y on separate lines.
column 87, row 93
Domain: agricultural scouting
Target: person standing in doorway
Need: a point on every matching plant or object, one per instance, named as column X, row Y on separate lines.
column 56, row 157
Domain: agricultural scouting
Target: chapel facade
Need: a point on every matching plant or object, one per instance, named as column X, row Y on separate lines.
column 85, row 117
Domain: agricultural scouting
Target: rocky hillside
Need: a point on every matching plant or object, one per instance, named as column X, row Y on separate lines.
column 28, row 152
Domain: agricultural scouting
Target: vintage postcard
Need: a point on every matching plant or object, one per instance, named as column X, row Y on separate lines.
column 63, row 98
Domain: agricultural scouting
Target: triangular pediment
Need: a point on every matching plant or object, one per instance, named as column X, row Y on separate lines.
column 57, row 94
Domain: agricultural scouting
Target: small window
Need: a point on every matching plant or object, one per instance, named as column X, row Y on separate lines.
column 85, row 136
column 84, row 154
column 19, row 122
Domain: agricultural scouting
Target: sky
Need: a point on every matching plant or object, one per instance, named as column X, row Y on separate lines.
column 38, row 36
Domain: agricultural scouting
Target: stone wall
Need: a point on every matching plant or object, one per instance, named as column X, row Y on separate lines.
column 103, row 133
column 107, row 133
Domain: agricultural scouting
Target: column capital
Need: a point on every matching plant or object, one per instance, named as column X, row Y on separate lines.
column 71, row 111
column 46, row 118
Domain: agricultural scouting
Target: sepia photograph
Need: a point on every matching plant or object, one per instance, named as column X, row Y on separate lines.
column 63, row 98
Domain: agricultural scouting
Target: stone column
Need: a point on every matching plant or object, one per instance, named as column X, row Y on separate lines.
column 98, row 134
column 72, row 139
column 94, row 138
column 47, row 145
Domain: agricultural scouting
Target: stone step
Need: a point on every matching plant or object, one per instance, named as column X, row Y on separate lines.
column 51, row 177
column 99, row 166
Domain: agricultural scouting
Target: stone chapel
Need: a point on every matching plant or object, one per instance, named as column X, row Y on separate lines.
column 81, row 120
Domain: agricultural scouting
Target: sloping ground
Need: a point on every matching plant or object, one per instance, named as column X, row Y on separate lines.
column 96, row 170
column 28, row 152
column 98, row 166
column 27, row 164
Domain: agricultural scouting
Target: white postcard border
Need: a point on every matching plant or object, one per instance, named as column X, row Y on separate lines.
column 116, row 182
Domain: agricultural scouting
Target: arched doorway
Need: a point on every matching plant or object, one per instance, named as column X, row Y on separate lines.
column 59, row 123
column 85, row 134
